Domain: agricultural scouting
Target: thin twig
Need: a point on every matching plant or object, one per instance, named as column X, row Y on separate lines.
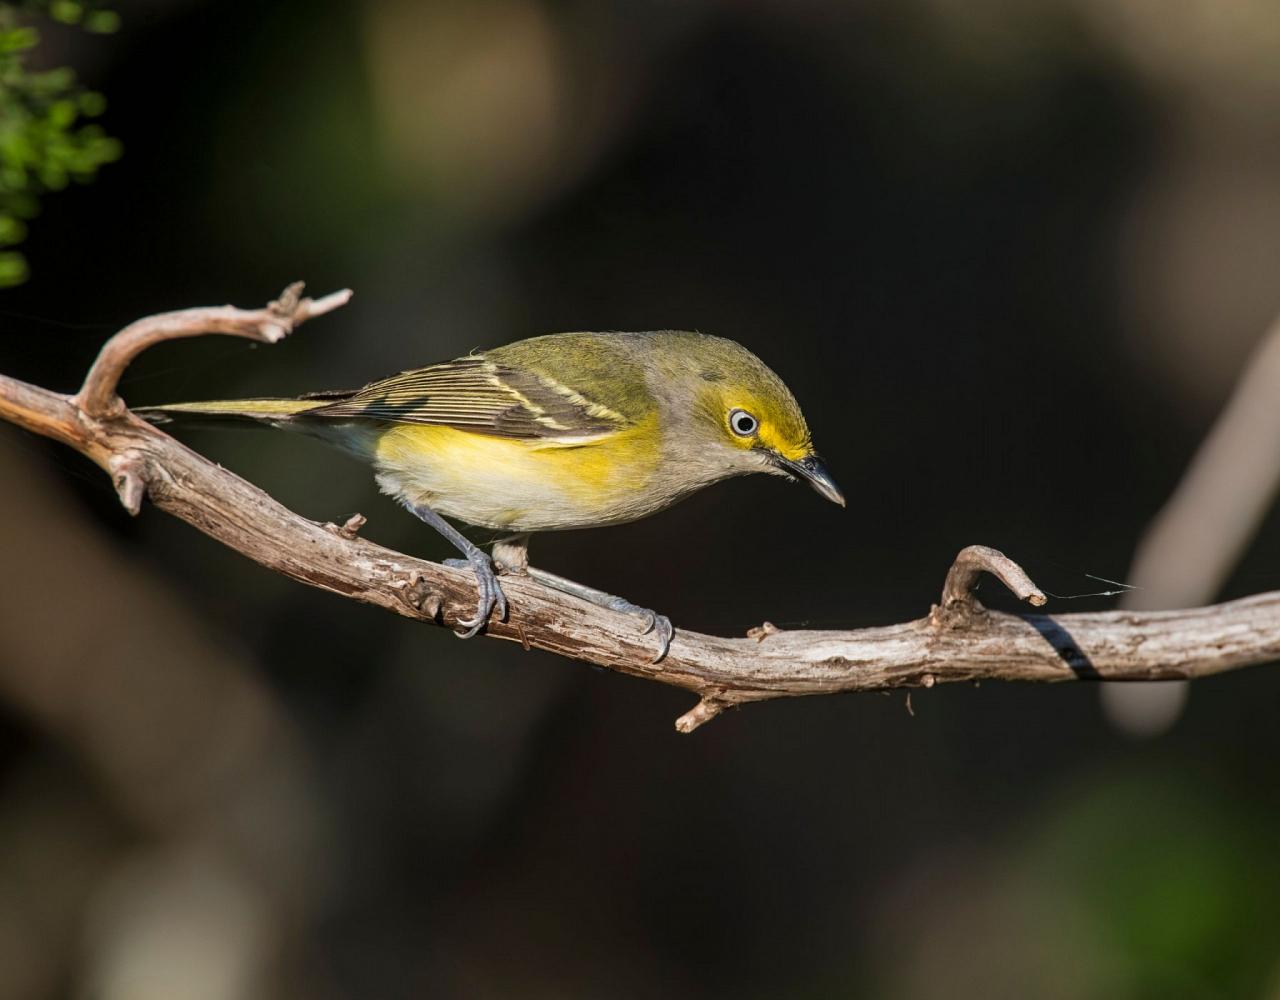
column 958, row 641
column 958, row 600
column 97, row 397
column 703, row 712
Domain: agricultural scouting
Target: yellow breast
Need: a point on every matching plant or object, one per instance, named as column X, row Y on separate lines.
column 523, row 484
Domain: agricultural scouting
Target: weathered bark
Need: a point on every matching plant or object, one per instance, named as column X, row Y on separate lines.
column 958, row 640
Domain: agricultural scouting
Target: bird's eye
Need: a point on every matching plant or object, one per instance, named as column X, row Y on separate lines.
column 743, row 423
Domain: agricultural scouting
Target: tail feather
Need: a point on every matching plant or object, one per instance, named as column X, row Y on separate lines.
column 269, row 411
column 358, row 438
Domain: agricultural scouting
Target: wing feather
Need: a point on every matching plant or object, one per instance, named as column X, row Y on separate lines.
column 474, row 393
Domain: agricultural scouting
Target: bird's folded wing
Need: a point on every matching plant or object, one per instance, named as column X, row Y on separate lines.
column 476, row 394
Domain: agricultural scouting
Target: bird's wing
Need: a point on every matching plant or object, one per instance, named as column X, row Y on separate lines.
column 476, row 394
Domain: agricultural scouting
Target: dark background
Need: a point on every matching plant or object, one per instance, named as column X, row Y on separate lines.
column 1010, row 258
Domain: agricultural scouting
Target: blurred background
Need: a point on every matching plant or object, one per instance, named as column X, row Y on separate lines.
column 1011, row 255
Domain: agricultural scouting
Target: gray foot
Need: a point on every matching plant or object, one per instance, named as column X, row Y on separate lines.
column 650, row 621
column 490, row 595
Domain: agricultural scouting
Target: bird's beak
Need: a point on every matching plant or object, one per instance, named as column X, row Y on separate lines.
column 812, row 470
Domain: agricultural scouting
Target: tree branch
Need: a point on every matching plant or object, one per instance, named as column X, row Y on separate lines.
column 958, row 640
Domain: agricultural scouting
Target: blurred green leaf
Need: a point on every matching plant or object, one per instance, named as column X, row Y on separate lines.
column 12, row 230
column 61, row 114
column 92, row 104
column 44, row 140
column 13, row 269
column 102, row 22
column 66, row 11
column 18, row 40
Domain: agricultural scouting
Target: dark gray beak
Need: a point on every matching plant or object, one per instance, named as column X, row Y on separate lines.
column 814, row 472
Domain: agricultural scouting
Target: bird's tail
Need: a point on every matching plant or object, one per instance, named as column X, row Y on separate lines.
column 222, row 411
column 356, row 437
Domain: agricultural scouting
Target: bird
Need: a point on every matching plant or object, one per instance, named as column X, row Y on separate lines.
column 554, row 432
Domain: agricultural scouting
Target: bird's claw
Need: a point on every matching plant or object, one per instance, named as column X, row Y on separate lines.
column 491, row 599
column 651, row 621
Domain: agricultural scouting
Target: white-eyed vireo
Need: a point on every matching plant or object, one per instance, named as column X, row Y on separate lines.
column 572, row 430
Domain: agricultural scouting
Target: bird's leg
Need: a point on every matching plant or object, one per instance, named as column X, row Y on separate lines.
column 651, row 620
column 490, row 594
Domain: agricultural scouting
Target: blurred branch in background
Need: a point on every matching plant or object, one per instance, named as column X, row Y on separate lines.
column 1198, row 537
column 43, row 141
column 958, row 641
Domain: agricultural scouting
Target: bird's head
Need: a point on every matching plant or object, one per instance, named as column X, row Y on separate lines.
column 751, row 418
